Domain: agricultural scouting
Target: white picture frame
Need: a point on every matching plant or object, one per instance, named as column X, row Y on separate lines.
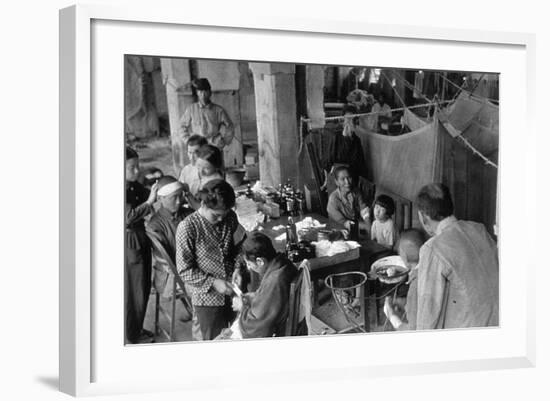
column 91, row 40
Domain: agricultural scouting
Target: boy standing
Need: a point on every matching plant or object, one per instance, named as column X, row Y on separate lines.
column 189, row 175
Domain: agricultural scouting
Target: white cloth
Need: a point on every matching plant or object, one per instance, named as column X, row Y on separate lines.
column 306, row 296
column 170, row 189
column 383, row 111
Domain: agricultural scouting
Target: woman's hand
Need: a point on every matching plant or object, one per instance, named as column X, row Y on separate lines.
column 153, row 194
column 222, row 286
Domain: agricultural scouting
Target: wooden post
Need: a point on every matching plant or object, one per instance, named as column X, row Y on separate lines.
column 176, row 78
column 315, row 82
column 277, row 122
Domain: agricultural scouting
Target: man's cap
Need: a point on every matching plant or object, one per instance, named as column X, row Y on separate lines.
column 201, row 84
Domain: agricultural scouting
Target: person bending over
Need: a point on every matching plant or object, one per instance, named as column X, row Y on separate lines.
column 264, row 312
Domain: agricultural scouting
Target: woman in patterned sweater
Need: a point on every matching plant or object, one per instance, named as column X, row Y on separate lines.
column 207, row 243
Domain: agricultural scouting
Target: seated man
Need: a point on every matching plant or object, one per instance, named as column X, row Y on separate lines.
column 410, row 242
column 346, row 205
column 164, row 223
column 264, row 312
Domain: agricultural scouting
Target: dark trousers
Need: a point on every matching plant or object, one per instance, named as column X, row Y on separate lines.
column 213, row 319
column 137, row 287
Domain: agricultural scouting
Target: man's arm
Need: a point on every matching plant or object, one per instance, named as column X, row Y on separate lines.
column 432, row 288
column 185, row 125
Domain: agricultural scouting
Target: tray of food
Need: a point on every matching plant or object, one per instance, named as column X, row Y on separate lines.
column 389, row 270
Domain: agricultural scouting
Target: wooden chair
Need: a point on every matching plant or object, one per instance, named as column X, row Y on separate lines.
column 294, row 325
column 170, row 315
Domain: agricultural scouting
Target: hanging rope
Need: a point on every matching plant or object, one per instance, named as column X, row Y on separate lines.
column 476, row 152
column 431, row 102
column 465, row 90
column 336, row 118
column 411, row 87
column 394, row 90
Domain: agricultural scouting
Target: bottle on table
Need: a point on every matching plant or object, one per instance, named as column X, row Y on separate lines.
column 249, row 193
column 291, row 238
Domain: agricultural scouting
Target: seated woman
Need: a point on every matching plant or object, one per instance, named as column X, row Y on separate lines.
column 210, row 167
column 264, row 312
column 344, row 149
column 346, row 205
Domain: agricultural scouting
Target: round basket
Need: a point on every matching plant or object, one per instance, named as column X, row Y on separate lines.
column 345, row 281
column 344, row 291
column 390, row 270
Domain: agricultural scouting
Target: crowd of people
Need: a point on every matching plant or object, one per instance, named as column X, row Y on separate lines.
column 453, row 280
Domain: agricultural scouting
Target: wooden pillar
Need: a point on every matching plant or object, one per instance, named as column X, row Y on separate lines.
column 315, row 83
column 278, row 143
column 176, row 77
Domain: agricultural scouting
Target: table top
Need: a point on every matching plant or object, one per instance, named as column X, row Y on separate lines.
column 368, row 247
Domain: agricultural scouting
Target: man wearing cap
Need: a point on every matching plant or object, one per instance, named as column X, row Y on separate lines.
column 206, row 118
column 164, row 224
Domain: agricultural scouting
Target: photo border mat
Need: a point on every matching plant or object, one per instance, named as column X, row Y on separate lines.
column 77, row 344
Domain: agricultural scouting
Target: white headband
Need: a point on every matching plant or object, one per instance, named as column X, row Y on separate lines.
column 171, row 188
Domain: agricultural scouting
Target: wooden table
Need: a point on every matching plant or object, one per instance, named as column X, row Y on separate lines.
column 370, row 251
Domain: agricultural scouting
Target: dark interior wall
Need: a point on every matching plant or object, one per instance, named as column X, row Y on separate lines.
column 473, row 184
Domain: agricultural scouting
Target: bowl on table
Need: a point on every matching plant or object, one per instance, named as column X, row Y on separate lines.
column 389, row 270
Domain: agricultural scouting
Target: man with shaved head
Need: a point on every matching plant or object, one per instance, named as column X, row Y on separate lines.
column 410, row 242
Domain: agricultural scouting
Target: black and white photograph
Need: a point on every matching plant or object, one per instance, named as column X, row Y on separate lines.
column 271, row 199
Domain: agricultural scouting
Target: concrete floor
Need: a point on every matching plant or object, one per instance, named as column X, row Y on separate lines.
column 183, row 327
column 327, row 313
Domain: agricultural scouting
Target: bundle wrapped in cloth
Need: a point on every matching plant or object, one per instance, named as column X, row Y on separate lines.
column 247, row 213
column 328, row 248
